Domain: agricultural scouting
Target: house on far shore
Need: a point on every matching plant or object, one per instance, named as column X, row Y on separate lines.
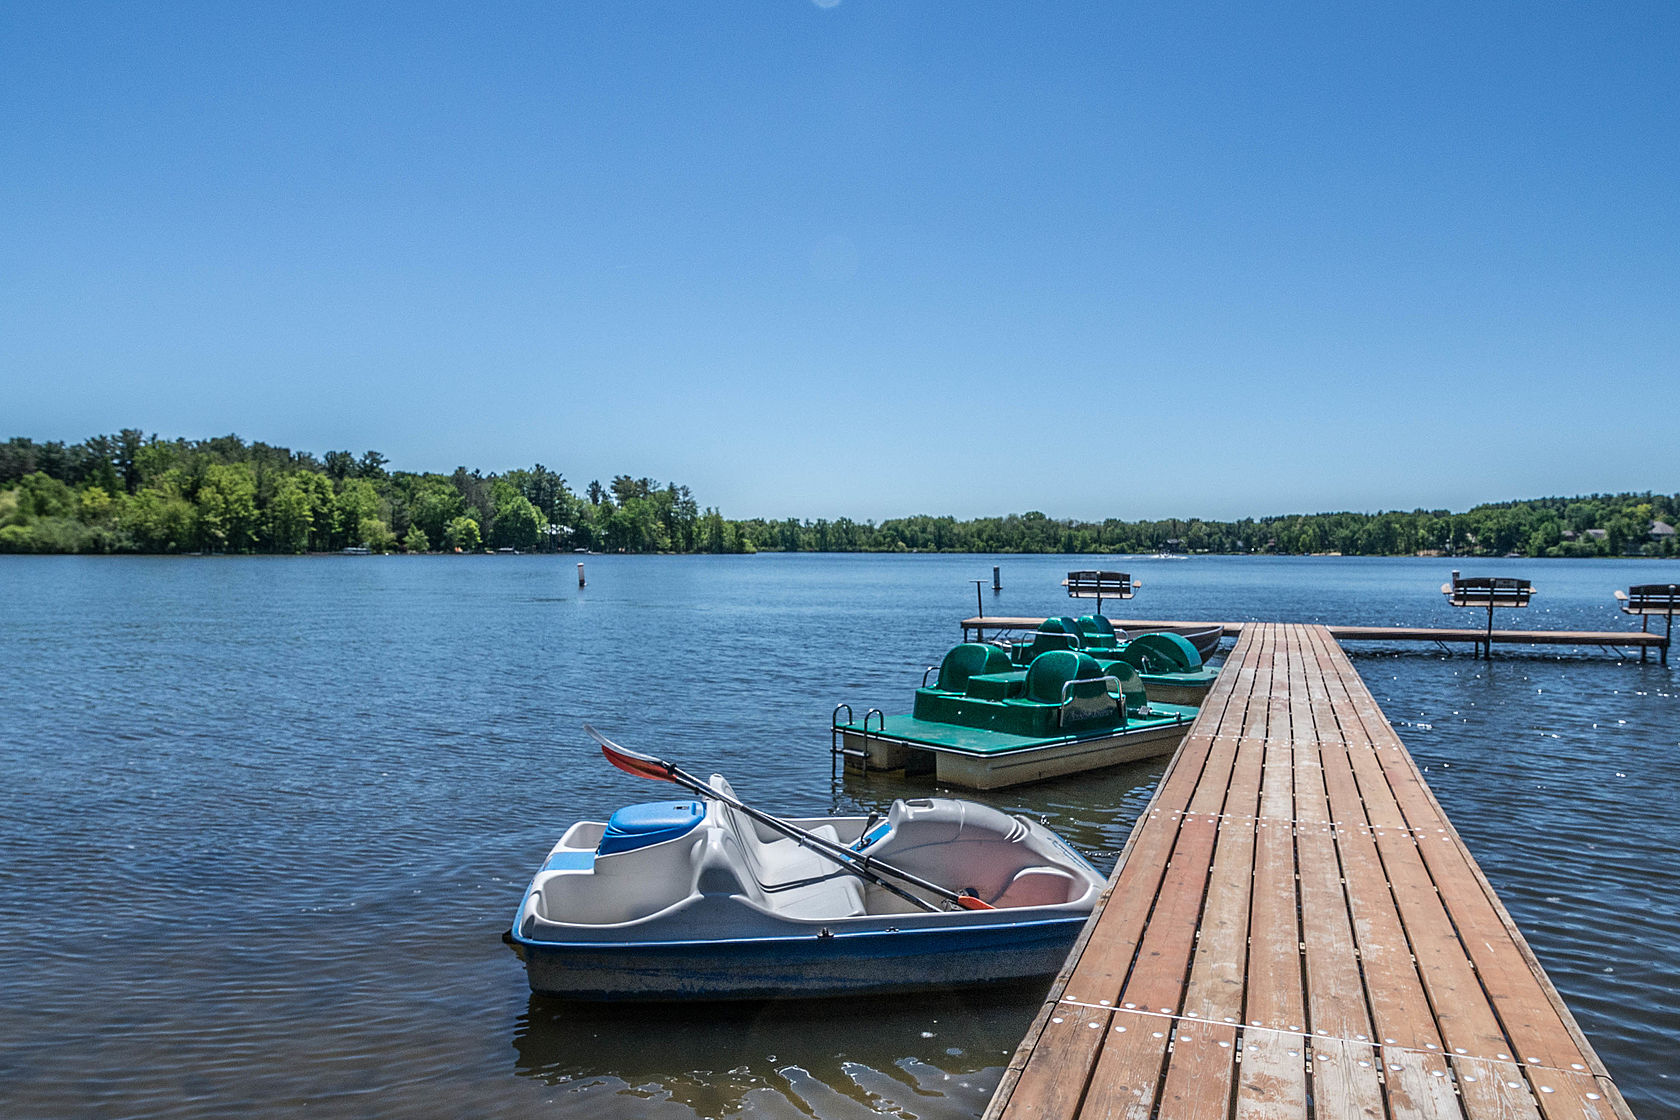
column 1661, row 535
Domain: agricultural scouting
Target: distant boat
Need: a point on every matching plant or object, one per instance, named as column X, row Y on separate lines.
column 357, row 551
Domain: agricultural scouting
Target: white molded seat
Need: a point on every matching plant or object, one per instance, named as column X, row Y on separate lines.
column 789, row 878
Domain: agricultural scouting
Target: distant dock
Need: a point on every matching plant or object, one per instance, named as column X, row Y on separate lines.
column 1613, row 639
column 1295, row 931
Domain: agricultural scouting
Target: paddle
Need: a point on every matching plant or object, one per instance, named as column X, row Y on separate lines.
column 646, row 766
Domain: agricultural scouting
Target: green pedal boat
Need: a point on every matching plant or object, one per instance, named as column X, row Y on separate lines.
column 988, row 721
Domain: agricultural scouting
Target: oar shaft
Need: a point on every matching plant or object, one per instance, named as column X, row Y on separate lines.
column 863, row 863
column 847, row 859
column 864, row 867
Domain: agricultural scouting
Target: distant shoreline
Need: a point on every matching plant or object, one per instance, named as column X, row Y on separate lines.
column 132, row 493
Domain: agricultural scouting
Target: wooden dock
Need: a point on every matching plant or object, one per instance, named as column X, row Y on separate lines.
column 1615, row 639
column 1295, row 931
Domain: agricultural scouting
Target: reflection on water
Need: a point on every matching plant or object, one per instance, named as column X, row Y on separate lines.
column 264, row 820
column 927, row 1056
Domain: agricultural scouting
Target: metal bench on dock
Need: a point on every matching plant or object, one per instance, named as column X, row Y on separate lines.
column 1100, row 586
column 1647, row 599
column 1295, row 930
column 1488, row 592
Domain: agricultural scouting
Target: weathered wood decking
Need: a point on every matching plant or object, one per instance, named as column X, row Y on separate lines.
column 1295, row 930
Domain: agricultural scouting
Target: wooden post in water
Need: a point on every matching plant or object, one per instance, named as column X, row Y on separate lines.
column 580, row 573
column 997, row 581
column 979, row 608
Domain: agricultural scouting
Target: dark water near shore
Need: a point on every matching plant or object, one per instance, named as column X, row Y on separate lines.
column 262, row 821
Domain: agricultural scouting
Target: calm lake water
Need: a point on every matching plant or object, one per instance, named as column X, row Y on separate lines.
column 263, row 821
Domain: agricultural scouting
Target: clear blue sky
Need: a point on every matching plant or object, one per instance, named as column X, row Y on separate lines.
column 863, row 259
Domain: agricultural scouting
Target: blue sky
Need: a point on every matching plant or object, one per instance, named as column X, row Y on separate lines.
column 863, row 259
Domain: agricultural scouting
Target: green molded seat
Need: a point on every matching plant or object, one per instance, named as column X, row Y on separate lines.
column 1050, row 672
column 1067, row 625
column 943, row 702
column 968, row 660
column 1131, row 685
column 1052, row 634
column 1055, row 706
column 1097, row 632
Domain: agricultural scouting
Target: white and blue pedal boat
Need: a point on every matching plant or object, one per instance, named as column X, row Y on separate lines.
column 703, row 899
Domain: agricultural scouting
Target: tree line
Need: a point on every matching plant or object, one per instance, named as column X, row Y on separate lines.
column 131, row 492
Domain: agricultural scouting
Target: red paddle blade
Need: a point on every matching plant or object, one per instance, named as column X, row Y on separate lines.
column 969, row 902
column 629, row 761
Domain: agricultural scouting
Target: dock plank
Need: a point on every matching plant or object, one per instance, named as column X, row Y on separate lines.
column 1296, row 932
column 1203, row 1069
column 1273, row 1081
column 1346, row 1081
column 1128, row 1074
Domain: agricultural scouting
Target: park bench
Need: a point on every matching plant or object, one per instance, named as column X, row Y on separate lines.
column 1647, row 599
column 1488, row 592
column 1100, row 586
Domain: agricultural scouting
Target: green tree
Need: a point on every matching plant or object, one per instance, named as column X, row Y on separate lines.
column 42, row 515
column 371, row 465
column 323, row 510
column 158, row 519
column 41, row 495
column 711, row 532
column 586, row 526
column 377, row 536
column 678, row 513
column 290, row 516
column 96, row 507
column 356, row 507
column 436, row 504
column 546, row 490
column 340, row 465
column 461, row 534
column 416, row 540
column 1545, row 536
column 475, row 491
column 624, row 488
column 227, row 508
column 635, row 527
column 17, row 459
column 518, row 524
